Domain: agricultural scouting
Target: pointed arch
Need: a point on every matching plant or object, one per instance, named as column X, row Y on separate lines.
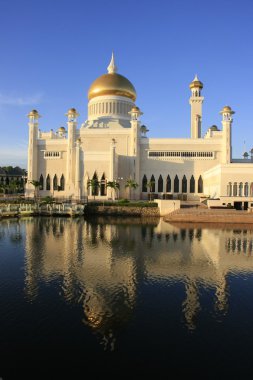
column 240, row 189
column 184, row 184
column 192, row 185
column 41, row 181
column 200, row 184
column 160, row 184
column 55, row 182
column 235, row 189
column 62, row 183
column 144, row 184
column 95, row 188
column 176, row 184
column 251, row 189
column 246, row 189
column 168, row 184
column 48, row 182
column 229, row 189
column 152, row 180
column 103, row 185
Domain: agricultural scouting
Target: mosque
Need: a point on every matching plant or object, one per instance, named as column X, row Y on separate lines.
column 112, row 146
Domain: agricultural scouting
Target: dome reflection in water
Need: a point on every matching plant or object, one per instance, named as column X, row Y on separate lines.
column 131, row 284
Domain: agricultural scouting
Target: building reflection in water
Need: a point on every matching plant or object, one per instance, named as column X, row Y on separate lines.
column 102, row 263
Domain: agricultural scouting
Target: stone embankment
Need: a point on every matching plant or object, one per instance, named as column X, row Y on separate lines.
column 202, row 215
column 122, row 211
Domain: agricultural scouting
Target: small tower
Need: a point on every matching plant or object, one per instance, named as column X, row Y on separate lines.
column 227, row 121
column 196, row 101
column 32, row 174
column 72, row 115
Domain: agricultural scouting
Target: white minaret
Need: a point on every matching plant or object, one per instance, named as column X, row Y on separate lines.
column 227, row 121
column 32, row 165
column 196, row 101
column 135, row 114
column 77, row 174
column 72, row 115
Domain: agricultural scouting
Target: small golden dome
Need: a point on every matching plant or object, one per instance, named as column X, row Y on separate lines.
column 227, row 109
column 61, row 129
column 72, row 112
column 34, row 113
column 112, row 84
column 135, row 108
column 196, row 83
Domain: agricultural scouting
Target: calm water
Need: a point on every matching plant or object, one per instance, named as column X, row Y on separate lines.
column 123, row 295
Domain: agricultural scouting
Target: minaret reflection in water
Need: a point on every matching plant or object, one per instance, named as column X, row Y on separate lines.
column 104, row 263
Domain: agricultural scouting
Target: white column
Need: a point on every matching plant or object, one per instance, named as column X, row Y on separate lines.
column 77, row 173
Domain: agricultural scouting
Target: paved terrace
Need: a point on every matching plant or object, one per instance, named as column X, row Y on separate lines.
column 205, row 215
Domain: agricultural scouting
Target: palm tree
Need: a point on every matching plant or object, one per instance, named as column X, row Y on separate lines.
column 113, row 185
column 144, row 130
column 3, row 188
column 94, row 184
column 150, row 185
column 131, row 184
column 14, row 186
column 36, row 185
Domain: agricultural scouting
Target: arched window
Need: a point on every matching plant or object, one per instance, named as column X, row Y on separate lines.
column 168, row 184
column 95, row 188
column 192, row 185
column 184, row 184
column 235, row 189
column 55, row 183
column 144, row 184
column 160, row 184
column 251, row 189
column 152, row 184
column 41, row 186
column 246, row 189
column 62, row 183
column 103, row 185
column 200, row 185
column 48, row 182
column 229, row 191
column 240, row 189
column 176, row 184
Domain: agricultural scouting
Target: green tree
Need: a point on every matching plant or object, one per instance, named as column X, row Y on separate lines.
column 131, row 184
column 144, row 130
column 14, row 186
column 95, row 185
column 114, row 185
column 3, row 188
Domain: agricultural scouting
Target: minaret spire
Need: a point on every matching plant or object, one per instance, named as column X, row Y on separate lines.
column 112, row 68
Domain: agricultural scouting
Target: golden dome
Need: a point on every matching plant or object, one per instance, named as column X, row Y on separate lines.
column 196, row 83
column 112, row 84
column 72, row 112
column 34, row 113
column 61, row 129
column 227, row 109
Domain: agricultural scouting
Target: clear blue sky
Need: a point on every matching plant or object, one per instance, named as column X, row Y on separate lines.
column 52, row 50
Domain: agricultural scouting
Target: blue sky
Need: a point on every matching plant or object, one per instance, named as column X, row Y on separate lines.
column 52, row 50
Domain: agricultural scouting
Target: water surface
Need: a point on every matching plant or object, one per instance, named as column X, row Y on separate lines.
column 126, row 295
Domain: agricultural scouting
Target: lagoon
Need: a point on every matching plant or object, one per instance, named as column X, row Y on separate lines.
column 126, row 294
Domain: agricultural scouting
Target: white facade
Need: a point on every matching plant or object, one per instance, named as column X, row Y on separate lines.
column 112, row 146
